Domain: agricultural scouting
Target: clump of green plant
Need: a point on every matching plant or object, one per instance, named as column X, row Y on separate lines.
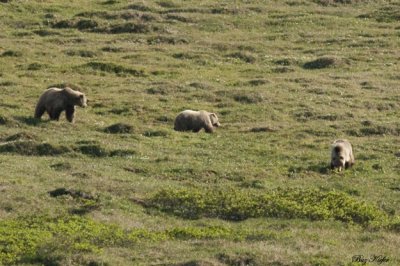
column 119, row 128
column 11, row 53
column 33, row 148
column 322, row 62
column 113, row 68
column 42, row 239
column 248, row 98
column 234, row 204
column 243, row 56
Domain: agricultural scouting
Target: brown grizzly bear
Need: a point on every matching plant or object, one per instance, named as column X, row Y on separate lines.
column 342, row 154
column 189, row 120
column 55, row 100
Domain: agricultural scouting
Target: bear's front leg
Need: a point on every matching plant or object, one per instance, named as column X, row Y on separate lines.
column 70, row 113
column 55, row 114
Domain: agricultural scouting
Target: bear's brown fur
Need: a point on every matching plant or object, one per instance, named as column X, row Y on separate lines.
column 190, row 120
column 55, row 100
column 342, row 154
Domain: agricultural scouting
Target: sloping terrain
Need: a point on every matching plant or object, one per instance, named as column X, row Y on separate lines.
column 121, row 187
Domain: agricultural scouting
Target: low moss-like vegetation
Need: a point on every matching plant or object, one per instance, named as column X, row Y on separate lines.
column 283, row 203
column 42, row 239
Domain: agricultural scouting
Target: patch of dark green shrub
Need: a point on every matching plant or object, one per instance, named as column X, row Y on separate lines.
column 32, row 148
column 72, row 192
column 111, row 49
column 81, row 53
column 64, row 24
column 178, row 18
column 86, row 24
column 11, row 53
column 243, row 56
column 234, row 204
column 115, row 69
column 262, row 129
column 249, row 98
column 3, row 120
column 323, row 62
column 335, row 2
column 166, row 40
column 122, row 153
column 93, row 150
column 109, row 2
column 201, row 85
column 130, row 28
column 119, row 128
column 257, row 82
column 35, row 66
column 44, row 33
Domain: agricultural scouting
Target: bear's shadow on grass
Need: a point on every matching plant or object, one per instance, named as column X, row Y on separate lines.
column 30, row 121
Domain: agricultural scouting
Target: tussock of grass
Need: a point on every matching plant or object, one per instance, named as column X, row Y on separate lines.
column 262, row 129
column 81, row 53
column 96, row 150
column 257, row 82
column 119, row 128
column 248, row 98
column 32, row 148
column 114, row 68
column 322, row 62
column 130, row 28
column 36, row 66
column 3, row 120
column 166, row 40
column 11, row 53
column 233, row 204
column 243, row 56
column 334, row 2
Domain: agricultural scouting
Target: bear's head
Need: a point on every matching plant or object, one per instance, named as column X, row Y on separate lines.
column 338, row 160
column 82, row 100
column 214, row 120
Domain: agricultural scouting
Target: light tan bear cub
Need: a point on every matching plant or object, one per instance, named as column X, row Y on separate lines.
column 190, row 120
column 56, row 100
column 342, row 156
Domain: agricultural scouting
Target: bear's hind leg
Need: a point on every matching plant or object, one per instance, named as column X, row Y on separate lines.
column 39, row 111
column 70, row 113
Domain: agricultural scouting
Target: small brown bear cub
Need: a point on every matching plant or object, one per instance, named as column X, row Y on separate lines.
column 55, row 100
column 189, row 120
column 342, row 156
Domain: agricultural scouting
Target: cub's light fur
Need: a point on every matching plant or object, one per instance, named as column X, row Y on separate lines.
column 342, row 156
column 55, row 100
column 190, row 120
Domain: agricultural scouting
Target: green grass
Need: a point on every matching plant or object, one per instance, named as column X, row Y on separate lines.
column 286, row 78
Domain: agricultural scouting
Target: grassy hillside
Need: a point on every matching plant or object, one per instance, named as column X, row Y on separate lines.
column 121, row 187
